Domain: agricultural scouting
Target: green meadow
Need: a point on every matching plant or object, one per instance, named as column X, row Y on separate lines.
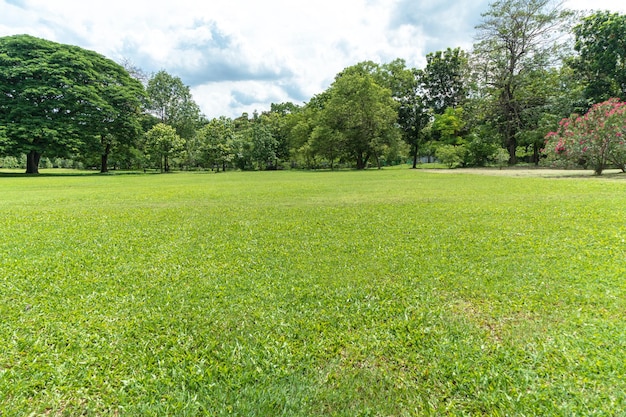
column 379, row 293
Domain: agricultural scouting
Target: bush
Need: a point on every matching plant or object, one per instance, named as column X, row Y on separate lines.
column 451, row 155
column 500, row 157
column 480, row 151
column 595, row 139
column 9, row 162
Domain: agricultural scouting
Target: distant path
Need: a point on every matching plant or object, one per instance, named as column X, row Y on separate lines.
column 531, row 172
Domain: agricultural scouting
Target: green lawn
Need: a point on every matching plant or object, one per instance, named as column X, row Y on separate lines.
column 378, row 293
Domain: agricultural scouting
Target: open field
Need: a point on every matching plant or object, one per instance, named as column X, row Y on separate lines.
column 377, row 293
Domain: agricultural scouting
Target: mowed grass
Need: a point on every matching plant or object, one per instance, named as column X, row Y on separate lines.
column 378, row 293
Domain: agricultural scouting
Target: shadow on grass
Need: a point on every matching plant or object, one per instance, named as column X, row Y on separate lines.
column 70, row 173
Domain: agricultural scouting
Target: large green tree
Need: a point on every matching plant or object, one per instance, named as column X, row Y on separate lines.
column 407, row 89
column 216, row 143
column 362, row 115
column 515, row 37
column 170, row 100
column 445, row 79
column 163, row 144
column 63, row 100
column 601, row 61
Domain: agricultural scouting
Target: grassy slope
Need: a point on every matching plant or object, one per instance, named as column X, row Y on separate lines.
column 353, row 293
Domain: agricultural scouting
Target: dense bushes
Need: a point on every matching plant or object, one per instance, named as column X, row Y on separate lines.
column 596, row 140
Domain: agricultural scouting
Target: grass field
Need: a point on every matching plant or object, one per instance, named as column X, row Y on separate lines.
column 377, row 293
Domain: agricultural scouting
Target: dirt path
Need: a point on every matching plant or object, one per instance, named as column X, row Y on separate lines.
column 532, row 172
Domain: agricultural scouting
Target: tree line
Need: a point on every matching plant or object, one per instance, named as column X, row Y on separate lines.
column 533, row 64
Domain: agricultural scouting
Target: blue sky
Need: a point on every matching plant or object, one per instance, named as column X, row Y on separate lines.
column 240, row 56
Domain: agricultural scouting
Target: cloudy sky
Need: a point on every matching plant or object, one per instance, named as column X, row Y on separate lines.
column 241, row 55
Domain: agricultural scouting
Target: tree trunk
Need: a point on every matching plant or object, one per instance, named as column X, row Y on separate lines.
column 415, row 152
column 32, row 162
column 104, row 166
column 104, row 162
column 512, row 145
column 536, row 154
column 360, row 164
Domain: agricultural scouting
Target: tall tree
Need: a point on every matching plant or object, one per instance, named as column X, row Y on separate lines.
column 408, row 90
column 216, row 142
column 62, row 100
column 445, row 79
column 363, row 115
column 171, row 101
column 414, row 116
column 162, row 144
column 601, row 61
column 514, row 38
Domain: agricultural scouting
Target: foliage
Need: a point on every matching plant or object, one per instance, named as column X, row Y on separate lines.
column 481, row 150
column 10, row 162
column 500, row 157
column 449, row 125
column 163, row 143
column 217, row 147
column 170, row 100
column 67, row 100
column 284, row 293
column 601, row 60
column 264, row 144
column 445, row 79
column 450, row 155
column 510, row 91
column 363, row 116
column 515, row 39
column 596, row 139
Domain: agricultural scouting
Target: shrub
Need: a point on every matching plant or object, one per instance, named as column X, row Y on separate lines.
column 500, row 157
column 480, row 151
column 9, row 162
column 595, row 139
column 450, row 155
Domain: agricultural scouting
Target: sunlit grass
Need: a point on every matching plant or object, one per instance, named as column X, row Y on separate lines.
column 393, row 292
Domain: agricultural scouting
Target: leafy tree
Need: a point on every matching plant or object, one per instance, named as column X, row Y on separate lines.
column 445, row 79
column 407, row 89
column 216, row 140
column 264, row 144
column 450, row 155
column 500, row 157
column 514, row 38
column 601, row 61
column 414, row 116
column 302, row 124
column 170, row 100
column 279, row 121
column 362, row 115
column 480, row 150
column 119, row 125
column 63, row 100
column 414, row 119
column 326, row 143
column 162, row 144
column 545, row 96
column 449, row 125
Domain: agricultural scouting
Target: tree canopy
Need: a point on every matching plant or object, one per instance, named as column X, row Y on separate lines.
column 601, row 61
column 515, row 38
column 62, row 100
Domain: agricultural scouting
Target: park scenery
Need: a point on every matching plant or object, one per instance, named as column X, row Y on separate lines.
column 448, row 240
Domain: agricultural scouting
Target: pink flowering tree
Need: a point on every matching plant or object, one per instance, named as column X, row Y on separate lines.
column 597, row 139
